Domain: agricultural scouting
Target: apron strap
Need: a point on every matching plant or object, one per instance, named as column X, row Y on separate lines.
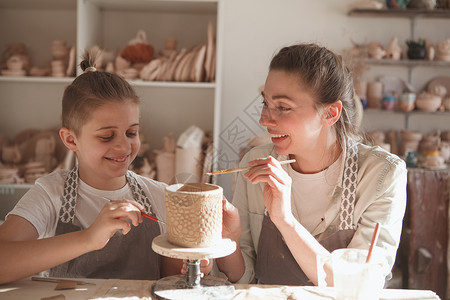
column 349, row 186
column 67, row 211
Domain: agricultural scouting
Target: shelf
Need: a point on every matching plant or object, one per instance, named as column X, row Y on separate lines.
column 41, row 4
column 36, row 79
column 68, row 80
column 9, row 188
column 414, row 112
column 407, row 62
column 401, row 13
column 184, row 6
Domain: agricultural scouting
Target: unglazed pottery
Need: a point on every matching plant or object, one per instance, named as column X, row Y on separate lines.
column 443, row 50
column 374, row 94
column 375, row 50
column 428, row 102
column 393, row 49
column 438, row 89
column 194, row 214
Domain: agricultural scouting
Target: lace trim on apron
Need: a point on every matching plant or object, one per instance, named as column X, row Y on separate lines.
column 349, row 186
column 67, row 211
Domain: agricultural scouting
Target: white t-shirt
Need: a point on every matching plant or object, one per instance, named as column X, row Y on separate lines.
column 311, row 194
column 42, row 203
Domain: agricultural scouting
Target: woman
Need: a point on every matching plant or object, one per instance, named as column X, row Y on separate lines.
column 331, row 197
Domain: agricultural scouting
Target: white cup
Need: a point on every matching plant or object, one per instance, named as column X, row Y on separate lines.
column 353, row 278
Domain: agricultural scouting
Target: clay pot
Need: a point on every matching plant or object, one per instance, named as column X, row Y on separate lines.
column 121, row 63
column 407, row 101
column 375, row 50
column 194, row 214
column 165, row 164
column 416, row 52
column 374, row 94
column 361, row 89
column 445, row 136
column 388, row 102
column 393, row 50
column 443, row 50
column 428, row 102
column 410, row 141
column 446, row 103
column 445, row 150
column 438, row 90
column 15, row 63
column 59, row 49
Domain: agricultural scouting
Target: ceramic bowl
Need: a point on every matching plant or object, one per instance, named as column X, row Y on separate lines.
column 428, row 102
column 408, row 135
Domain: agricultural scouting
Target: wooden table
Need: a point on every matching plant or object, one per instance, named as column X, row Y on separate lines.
column 141, row 289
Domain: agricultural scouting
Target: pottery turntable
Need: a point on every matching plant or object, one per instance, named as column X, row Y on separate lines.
column 193, row 285
column 194, row 232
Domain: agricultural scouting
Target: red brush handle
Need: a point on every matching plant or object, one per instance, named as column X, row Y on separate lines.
column 149, row 217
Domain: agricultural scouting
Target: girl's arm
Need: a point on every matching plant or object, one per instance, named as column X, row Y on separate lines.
column 22, row 254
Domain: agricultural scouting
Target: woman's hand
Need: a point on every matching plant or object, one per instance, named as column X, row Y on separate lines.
column 277, row 187
column 205, row 266
column 231, row 223
column 115, row 215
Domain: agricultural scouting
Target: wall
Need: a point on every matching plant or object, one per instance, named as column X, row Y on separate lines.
column 255, row 29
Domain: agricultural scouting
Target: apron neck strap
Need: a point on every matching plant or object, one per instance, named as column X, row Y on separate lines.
column 349, row 185
column 67, row 211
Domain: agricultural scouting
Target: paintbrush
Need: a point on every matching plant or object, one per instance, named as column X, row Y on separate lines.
column 144, row 214
column 244, row 168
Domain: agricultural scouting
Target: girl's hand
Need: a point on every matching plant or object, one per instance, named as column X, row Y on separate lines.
column 231, row 223
column 115, row 215
column 277, row 187
column 205, row 266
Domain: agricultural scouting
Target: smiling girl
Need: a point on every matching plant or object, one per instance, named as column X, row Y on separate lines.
column 86, row 222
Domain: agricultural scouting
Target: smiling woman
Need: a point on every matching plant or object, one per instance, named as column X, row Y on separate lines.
column 334, row 193
column 64, row 217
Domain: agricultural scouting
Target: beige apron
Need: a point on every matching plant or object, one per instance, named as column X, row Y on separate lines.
column 127, row 256
column 275, row 264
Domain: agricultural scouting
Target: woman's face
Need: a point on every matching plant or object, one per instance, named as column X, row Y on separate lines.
column 108, row 143
column 289, row 114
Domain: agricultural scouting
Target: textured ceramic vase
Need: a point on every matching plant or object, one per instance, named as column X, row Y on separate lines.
column 194, row 214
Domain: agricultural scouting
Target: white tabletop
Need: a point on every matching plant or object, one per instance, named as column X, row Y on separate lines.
column 141, row 289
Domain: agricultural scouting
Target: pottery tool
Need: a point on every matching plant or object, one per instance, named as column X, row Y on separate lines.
column 144, row 215
column 59, row 281
column 244, row 168
column 373, row 242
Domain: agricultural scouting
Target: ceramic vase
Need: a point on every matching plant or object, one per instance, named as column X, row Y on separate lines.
column 194, row 214
column 374, row 94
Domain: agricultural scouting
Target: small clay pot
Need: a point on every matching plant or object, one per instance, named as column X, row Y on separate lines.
column 416, row 52
column 388, row 102
column 407, row 101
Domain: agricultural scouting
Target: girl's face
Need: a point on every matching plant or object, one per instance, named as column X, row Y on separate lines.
column 289, row 114
column 107, row 144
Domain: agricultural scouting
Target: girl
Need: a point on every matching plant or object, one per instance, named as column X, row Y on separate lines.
column 331, row 197
column 86, row 222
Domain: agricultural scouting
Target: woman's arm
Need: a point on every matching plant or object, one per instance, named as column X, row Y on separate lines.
column 277, row 200
column 232, row 265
